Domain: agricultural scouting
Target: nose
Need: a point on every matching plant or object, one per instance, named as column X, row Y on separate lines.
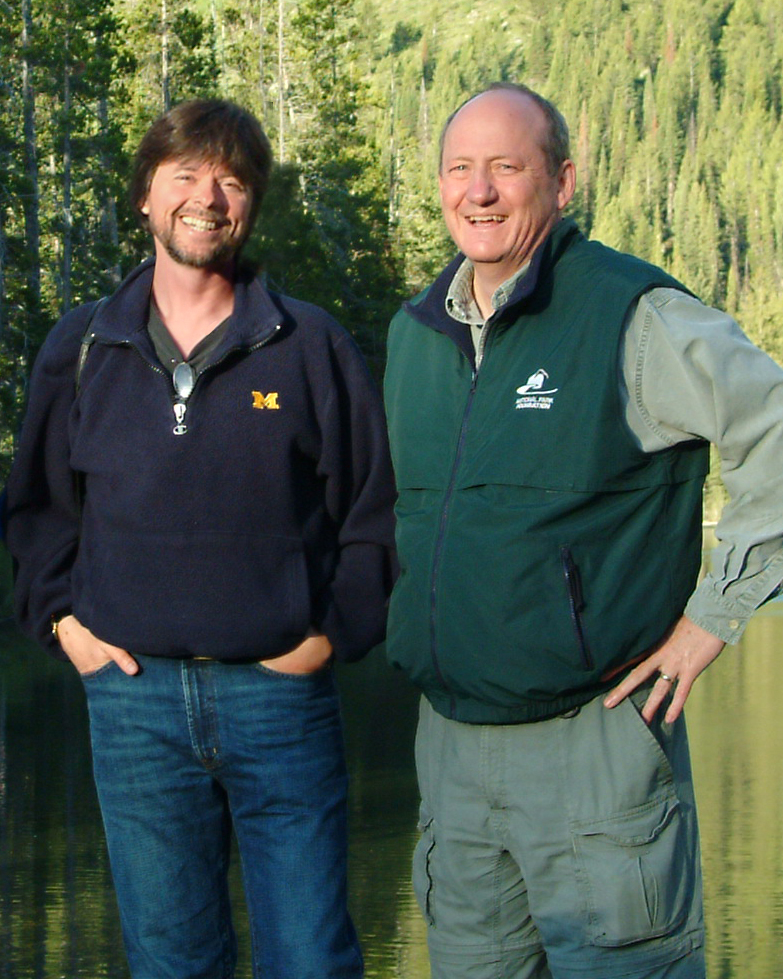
column 210, row 194
column 481, row 189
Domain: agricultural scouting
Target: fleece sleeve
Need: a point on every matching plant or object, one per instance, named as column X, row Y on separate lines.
column 359, row 495
column 41, row 516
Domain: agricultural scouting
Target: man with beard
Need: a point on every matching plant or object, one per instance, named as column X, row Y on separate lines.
column 201, row 528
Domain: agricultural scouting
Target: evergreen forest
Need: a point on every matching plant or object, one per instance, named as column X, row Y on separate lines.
column 675, row 109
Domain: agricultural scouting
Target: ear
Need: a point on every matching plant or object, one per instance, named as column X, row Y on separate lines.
column 566, row 180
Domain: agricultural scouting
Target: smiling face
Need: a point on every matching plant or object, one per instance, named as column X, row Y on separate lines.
column 198, row 213
column 498, row 196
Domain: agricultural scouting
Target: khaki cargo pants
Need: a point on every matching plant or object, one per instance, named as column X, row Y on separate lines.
column 563, row 849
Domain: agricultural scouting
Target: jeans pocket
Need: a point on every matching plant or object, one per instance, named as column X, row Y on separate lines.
column 423, row 884
column 100, row 671
column 633, row 873
column 313, row 675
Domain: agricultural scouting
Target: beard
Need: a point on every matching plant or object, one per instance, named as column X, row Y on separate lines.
column 218, row 254
column 222, row 253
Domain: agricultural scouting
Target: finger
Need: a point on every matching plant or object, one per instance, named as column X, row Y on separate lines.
column 309, row 656
column 123, row 659
column 660, row 691
column 681, row 693
column 634, row 679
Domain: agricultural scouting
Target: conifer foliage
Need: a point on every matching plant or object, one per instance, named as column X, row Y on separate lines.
column 675, row 108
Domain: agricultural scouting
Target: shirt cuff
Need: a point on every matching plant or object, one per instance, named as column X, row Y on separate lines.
column 725, row 618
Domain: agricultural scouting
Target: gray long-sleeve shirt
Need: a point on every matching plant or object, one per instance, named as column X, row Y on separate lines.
column 687, row 370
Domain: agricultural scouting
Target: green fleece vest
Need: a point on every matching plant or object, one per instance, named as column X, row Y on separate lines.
column 539, row 546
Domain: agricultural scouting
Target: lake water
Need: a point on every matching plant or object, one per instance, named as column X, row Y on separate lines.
column 57, row 911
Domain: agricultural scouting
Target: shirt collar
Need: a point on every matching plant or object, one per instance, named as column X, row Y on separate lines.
column 461, row 304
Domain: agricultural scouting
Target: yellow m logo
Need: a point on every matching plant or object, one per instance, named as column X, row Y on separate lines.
column 265, row 400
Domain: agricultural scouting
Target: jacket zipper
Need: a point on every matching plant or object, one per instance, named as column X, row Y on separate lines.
column 180, row 403
column 576, row 603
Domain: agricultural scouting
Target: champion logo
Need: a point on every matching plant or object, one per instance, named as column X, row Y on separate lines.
column 536, row 392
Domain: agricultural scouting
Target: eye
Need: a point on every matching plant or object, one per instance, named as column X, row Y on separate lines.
column 232, row 184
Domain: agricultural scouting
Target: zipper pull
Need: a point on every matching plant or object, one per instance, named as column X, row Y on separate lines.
column 179, row 414
column 184, row 380
column 573, row 579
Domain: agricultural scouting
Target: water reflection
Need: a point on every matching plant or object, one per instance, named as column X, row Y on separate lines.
column 737, row 748
column 57, row 911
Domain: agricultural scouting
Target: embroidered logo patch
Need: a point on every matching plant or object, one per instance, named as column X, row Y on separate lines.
column 536, row 393
column 265, row 400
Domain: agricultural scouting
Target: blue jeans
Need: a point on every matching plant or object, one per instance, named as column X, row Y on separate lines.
column 185, row 750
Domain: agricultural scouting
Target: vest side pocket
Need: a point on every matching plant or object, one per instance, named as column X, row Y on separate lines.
column 576, row 603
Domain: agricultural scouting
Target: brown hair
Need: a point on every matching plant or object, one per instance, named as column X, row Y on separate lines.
column 556, row 148
column 205, row 129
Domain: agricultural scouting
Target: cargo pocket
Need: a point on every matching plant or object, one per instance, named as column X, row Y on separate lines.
column 633, row 874
column 422, row 861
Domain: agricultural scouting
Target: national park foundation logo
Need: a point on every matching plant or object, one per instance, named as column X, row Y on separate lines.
column 533, row 394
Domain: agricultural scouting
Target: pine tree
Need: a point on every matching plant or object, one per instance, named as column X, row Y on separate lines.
column 342, row 182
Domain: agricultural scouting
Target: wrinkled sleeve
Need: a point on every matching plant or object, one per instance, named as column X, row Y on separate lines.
column 360, row 495
column 690, row 372
column 41, row 513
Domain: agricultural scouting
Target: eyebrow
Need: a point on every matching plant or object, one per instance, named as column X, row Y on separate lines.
column 466, row 157
column 192, row 165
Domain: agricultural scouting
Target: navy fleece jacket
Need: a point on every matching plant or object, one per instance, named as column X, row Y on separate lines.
column 272, row 513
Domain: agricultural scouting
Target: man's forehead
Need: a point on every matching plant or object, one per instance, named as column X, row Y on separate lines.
column 506, row 110
column 187, row 161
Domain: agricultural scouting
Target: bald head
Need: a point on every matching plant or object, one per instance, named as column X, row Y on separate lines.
column 556, row 139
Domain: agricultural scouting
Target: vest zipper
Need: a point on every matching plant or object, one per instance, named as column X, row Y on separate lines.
column 441, row 538
column 576, row 603
column 483, row 339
